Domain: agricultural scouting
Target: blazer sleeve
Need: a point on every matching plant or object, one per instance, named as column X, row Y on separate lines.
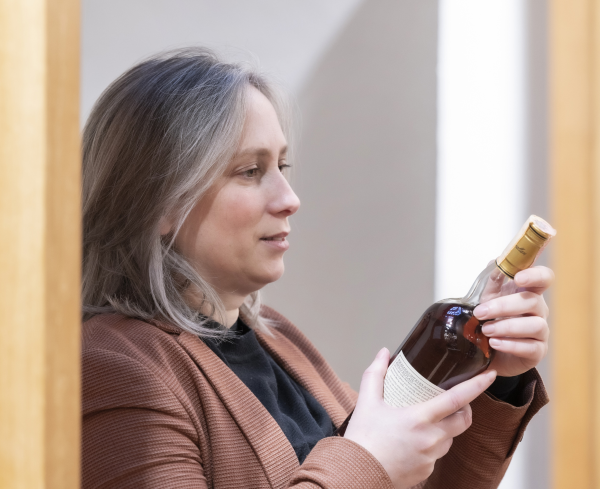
column 129, row 417
column 338, row 462
column 480, row 456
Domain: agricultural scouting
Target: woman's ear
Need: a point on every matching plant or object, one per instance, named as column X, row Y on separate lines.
column 164, row 226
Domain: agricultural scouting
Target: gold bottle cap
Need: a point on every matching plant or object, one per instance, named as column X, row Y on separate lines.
column 526, row 246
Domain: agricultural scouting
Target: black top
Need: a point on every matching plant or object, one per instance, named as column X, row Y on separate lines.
column 505, row 389
column 301, row 418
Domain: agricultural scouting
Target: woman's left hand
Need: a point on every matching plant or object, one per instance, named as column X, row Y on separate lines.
column 520, row 336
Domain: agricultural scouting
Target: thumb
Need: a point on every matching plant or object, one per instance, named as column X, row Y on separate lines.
column 371, row 385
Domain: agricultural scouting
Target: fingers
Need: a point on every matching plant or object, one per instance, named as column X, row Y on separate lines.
column 371, row 385
column 533, row 327
column 538, row 278
column 527, row 302
column 457, row 423
column 531, row 350
column 458, row 397
column 493, row 286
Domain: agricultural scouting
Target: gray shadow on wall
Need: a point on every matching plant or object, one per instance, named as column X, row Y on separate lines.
column 360, row 270
column 538, row 441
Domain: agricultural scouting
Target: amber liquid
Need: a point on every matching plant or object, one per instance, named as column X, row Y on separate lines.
column 446, row 346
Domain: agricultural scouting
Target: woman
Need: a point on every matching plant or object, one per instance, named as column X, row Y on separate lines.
column 188, row 381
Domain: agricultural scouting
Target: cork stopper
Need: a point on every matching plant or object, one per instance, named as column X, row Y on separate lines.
column 523, row 250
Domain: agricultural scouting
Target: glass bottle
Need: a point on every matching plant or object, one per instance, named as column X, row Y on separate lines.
column 446, row 346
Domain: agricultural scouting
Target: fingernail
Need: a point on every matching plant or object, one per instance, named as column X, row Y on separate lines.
column 495, row 342
column 481, row 311
column 488, row 329
column 381, row 352
column 491, row 375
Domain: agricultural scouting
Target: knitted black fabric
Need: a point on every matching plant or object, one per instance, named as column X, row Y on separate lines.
column 301, row 418
column 506, row 389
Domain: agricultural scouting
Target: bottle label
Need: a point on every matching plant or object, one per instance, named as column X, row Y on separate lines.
column 404, row 386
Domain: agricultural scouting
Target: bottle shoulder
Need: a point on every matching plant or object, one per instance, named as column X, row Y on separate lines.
column 455, row 300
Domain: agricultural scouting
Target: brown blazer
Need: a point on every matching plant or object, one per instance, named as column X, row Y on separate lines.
column 160, row 410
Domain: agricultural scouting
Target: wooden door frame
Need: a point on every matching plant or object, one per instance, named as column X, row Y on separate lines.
column 575, row 201
column 40, row 247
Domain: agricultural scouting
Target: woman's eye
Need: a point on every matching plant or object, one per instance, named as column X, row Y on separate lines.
column 283, row 166
column 252, row 172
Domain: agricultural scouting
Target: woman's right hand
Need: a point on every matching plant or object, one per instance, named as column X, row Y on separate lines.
column 407, row 441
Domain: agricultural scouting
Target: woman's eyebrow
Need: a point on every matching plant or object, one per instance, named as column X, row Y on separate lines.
column 260, row 152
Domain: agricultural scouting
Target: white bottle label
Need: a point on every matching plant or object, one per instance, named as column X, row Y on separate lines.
column 404, row 386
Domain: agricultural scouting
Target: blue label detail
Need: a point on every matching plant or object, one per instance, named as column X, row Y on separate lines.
column 454, row 311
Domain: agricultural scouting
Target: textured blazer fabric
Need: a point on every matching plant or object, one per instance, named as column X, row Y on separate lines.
column 160, row 410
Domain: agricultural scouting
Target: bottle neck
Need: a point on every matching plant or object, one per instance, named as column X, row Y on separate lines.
column 488, row 284
column 497, row 278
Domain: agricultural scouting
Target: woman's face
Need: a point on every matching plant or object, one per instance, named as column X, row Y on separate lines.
column 236, row 235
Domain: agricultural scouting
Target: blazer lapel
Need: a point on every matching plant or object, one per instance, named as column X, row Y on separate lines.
column 295, row 363
column 259, row 427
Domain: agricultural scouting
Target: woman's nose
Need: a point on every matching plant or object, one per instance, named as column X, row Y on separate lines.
column 283, row 200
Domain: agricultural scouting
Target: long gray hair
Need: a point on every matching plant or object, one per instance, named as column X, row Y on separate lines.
column 156, row 140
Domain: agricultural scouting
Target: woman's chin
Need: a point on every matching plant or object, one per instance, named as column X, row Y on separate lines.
column 270, row 275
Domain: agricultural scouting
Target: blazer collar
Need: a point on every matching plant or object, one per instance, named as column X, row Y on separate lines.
column 285, row 353
column 259, row 427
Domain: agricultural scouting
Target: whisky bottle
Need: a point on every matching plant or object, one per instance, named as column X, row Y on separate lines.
column 446, row 346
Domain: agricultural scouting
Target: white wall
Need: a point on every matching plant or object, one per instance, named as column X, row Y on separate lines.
column 286, row 38
column 481, row 181
column 491, row 159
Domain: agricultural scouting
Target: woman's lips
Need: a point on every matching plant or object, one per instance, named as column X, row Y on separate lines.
column 277, row 242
